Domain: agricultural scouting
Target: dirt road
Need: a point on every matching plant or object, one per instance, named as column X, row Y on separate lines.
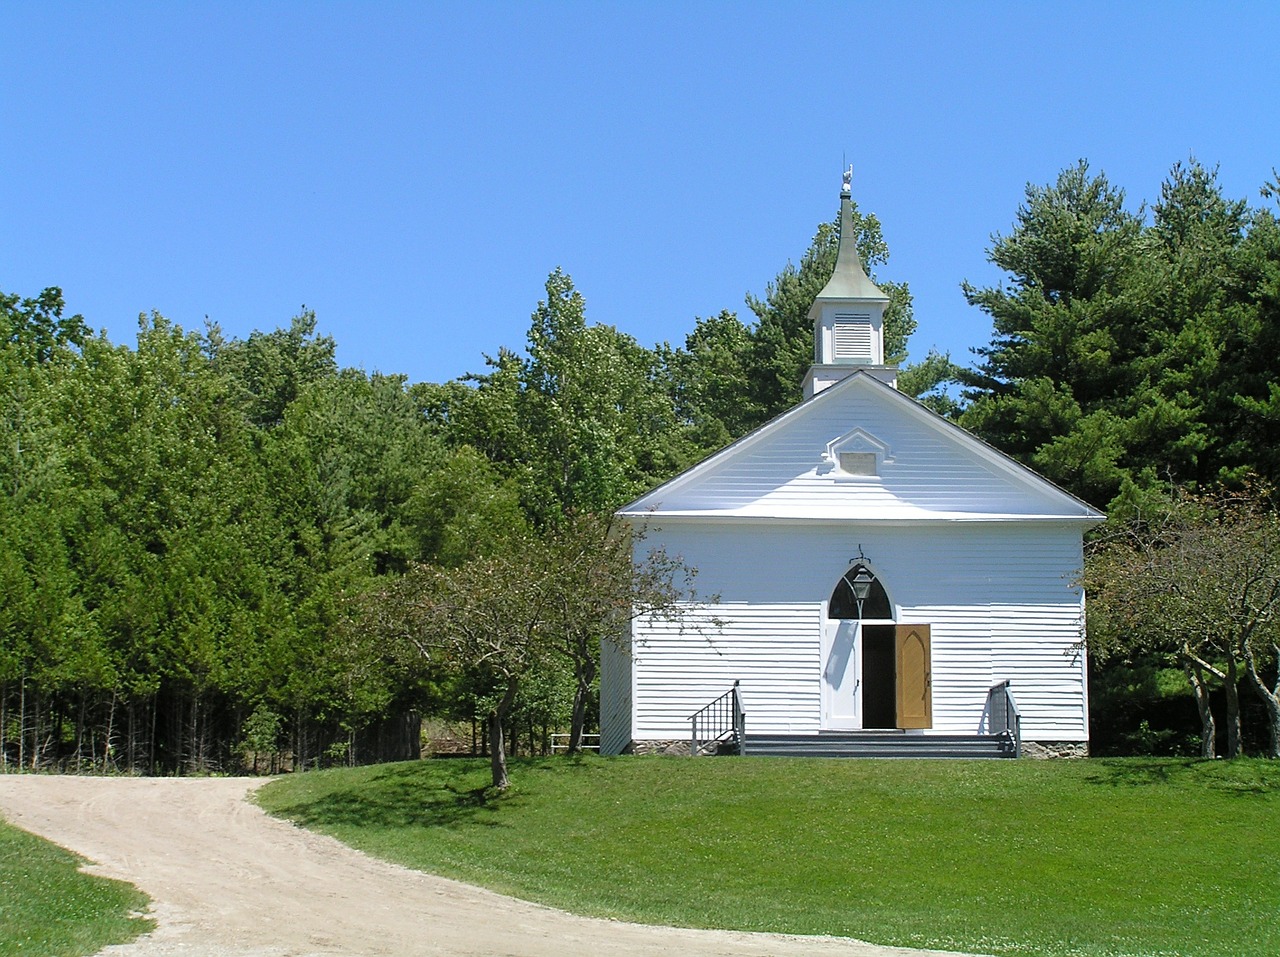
column 229, row 881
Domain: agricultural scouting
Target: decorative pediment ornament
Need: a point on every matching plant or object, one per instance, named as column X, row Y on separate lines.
column 859, row 443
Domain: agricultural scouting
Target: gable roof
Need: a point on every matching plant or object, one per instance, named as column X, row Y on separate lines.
column 928, row 469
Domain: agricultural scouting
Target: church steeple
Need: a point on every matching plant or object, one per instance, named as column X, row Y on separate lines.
column 848, row 315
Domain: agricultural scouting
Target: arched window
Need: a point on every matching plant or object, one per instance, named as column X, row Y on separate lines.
column 844, row 600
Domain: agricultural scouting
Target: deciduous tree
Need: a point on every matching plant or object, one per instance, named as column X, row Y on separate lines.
column 1198, row 581
column 486, row 619
column 538, row 605
column 598, row 587
column 582, row 421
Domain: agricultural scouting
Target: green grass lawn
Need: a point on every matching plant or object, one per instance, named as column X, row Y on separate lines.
column 1098, row 857
column 49, row 908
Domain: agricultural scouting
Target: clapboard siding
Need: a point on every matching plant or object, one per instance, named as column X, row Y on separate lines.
column 788, row 474
column 616, row 701
column 962, row 663
column 996, row 625
column 772, row 650
column 963, row 539
column 781, row 470
column 954, row 564
column 1039, row 649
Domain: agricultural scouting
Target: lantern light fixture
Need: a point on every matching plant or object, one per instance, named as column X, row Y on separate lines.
column 862, row 580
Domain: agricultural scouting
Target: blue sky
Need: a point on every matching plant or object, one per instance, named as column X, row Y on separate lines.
column 413, row 171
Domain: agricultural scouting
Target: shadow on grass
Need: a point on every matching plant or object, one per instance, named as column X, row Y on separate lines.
column 401, row 796
column 1243, row 777
column 425, row 794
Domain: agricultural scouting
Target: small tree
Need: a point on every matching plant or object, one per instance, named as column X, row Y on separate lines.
column 598, row 588
column 1198, row 580
column 538, row 603
column 485, row 620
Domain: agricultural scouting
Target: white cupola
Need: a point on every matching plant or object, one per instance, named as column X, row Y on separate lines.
column 848, row 315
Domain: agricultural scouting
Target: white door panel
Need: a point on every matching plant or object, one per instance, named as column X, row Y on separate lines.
column 841, row 702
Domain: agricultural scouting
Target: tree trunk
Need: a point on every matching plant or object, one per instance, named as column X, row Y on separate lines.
column 1270, row 697
column 1208, row 728
column 80, row 731
column 584, row 673
column 155, row 718
column 192, row 735
column 35, row 735
column 1234, row 737
column 497, row 753
column 107, row 762
column 22, row 722
column 578, row 718
column 58, row 732
column 130, row 742
column 497, row 749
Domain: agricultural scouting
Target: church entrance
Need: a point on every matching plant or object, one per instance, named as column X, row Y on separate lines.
column 879, row 703
column 876, row 674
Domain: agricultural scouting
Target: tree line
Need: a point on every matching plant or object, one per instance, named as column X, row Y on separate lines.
column 201, row 538
column 214, row 550
column 1134, row 361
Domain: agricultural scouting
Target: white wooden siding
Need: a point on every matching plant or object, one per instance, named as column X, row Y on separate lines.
column 772, row 649
column 962, row 538
column 936, row 471
column 961, row 666
column 615, row 696
column 787, row 475
column 1037, row 648
column 1000, row 598
column 949, row 564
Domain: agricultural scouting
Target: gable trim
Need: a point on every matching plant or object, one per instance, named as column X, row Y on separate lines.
column 1075, row 509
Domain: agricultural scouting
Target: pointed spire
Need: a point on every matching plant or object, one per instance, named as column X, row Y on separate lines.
column 848, row 315
column 849, row 280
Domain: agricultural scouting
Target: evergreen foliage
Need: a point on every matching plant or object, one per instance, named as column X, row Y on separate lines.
column 180, row 535
column 193, row 529
column 1133, row 362
column 1130, row 349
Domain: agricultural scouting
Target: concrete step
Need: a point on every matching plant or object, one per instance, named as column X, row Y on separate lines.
column 879, row 745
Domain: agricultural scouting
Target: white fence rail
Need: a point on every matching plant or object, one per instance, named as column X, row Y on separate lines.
column 560, row 742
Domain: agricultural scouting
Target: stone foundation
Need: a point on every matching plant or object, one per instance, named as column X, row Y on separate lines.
column 1038, row 750
column 1055, row 749
column 658, row 747
column 679, row 748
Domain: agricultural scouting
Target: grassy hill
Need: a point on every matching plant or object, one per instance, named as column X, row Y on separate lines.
column 1100, row 857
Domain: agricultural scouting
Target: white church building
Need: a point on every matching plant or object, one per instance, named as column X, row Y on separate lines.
column 880, row 573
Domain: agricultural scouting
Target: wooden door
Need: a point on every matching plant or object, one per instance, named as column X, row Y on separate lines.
column 914, row 676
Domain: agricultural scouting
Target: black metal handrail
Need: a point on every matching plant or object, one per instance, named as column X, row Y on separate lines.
column 724, row 718
column 1002, row 715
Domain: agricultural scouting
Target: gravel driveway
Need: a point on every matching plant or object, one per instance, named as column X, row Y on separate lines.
column 226, row 880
